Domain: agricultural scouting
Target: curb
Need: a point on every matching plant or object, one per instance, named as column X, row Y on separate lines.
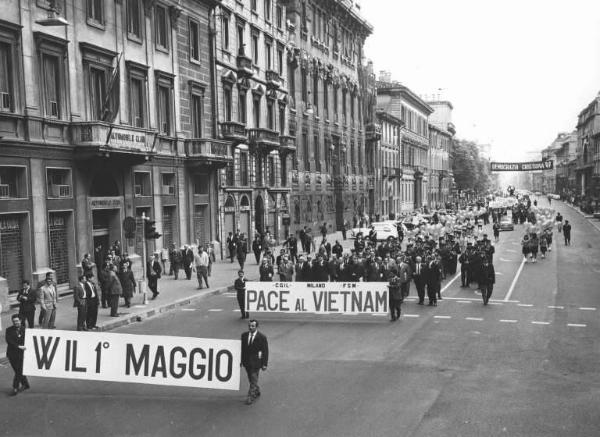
column 582, row 214
column 151, row 312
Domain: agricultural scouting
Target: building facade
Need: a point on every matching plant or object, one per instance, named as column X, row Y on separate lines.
column 441, row 140
column 93, row 129
column 401, row 102
column 388, row 173
column 565, row 153
column 588, row 157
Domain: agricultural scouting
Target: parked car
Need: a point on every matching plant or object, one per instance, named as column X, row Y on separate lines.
column 506, row 223
column 384, row 230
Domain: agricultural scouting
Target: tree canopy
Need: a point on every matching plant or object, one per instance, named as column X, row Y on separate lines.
column 471, row 170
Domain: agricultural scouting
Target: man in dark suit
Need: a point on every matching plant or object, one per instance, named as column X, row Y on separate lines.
column 80, row 302
column 487, row 278
column 153, row 271
column 419, row 276
column 255, row 356
column 92, row 302
column 188, row 260
column 15, row 340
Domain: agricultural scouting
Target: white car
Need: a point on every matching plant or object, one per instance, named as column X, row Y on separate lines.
column 384, row 230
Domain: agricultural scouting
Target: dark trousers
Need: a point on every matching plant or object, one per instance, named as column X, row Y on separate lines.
column 104, row 298
column 231, row 254
column 395, row 305
column 114, row 305
column 92, row 313
column 567, row 239
column 254, row 390
column 486, row 292
column 41, row 316
column 81, row 315
column 202, row 272
column 465, row 277
column 242, row 304
column 344, row 234
column 420, row 284
column 188, row 271
column 257, row 257
column 241, row 261
column 28, row 316
column 405, row 288
column 19, row 379
column 432, row 292
column 153, row 286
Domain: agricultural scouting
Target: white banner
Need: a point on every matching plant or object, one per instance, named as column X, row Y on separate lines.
column 145, row 359
column 317, row 297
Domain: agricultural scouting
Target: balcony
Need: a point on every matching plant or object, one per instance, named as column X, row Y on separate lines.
column 208, row 153
column 244, row 66
column 274, row 80
column 234, row 131
column 263, row 140
column 391, row 172
column 373, row 132
column 99, row 139
column 287, row 144
column 292, row 125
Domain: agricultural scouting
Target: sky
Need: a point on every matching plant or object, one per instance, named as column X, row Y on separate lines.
column 517, row 72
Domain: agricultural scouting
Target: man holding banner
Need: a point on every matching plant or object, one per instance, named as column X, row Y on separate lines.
column 15, row 340
column 255, row 356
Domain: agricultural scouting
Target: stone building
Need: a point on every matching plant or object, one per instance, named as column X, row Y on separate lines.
column 588, row 156
column 565, row 153
column 401, row 102
column 441, row 139
column 331, row 96
column 388, row 169
column 100, row 106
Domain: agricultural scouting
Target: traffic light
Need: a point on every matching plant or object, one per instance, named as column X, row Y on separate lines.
column 150, row 230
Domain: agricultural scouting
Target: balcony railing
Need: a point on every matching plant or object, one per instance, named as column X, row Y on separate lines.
column 265, row 139
column 373, row 132
column 208, row 151
column 287, row 144
column 274, row 80
column 98, row 133
column 244, row 66
column 234, row 131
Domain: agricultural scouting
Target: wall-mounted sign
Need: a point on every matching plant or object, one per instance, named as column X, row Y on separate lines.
column 127, row 139
column 105, row 202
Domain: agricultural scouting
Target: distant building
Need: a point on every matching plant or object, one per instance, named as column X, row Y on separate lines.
column 588, row 156
column 401, row 102
column 565, row 153
column 441, row 140
column 388, row 173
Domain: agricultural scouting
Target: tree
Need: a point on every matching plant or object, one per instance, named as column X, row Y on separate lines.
column 471, row 171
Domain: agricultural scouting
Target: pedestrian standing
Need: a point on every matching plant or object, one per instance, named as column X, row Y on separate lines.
column 559, row 222
column 80, row 302
column 92, row 302
column 242, row 249
column 496, row 229
column 127, row 283
column 153, row 272
column 240, row 288
column 15, row 346
column 115, row 290
column 27, row 298
column 344, row 229
column 188, row 261
column 567, row 233
column 48, row 300
column 231, row 246
column 255, row 357
column 265, row 271
column 86, row 264
column 201, row 261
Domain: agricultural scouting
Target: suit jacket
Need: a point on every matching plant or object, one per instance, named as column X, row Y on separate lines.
column 14, row 338
column 114, row 285
column 79, row 295
column 91, row 286
column 255, row 355
column 286, row 271
column 487, row 275
column 48, row 296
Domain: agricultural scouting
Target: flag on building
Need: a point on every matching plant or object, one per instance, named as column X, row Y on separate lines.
column 112, row 101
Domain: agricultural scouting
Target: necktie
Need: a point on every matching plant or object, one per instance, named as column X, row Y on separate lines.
column 418, row 269
column 250, row 339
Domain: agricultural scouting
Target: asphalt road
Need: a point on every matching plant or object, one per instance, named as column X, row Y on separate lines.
column 525, row 365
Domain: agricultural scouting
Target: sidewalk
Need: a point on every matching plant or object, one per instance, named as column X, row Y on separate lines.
column 590, row 218
column 173, row 293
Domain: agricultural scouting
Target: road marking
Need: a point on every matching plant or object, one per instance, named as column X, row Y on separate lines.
column 495, row 303
column 587, row 308
column 139, row 306
column 524, row 304
column 476, row 319
column 450, row 283
column 411, row 315
column 511, row 250
column 508, row 321
column 442, row 317
column 463, row 301
column 379, row 315
column 235, row 311
column 229, row 293
column 514, row 282
column 505, row 260
column 499, row 273
column 188, row 309
column 535, row 322
column 215, row 309
column 577, row 325
column 556, row 307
